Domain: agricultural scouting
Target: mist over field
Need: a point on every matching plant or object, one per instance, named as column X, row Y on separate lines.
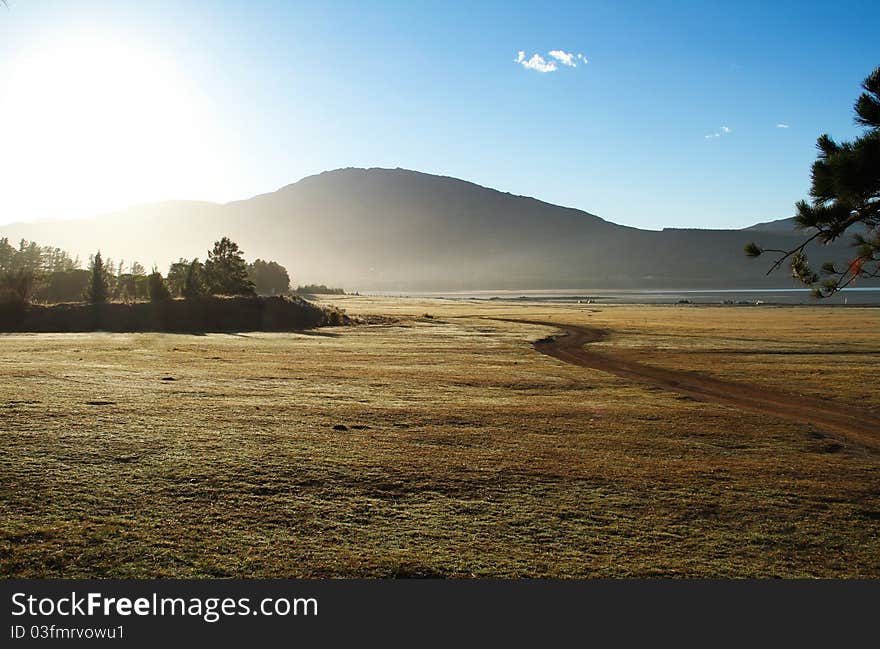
column 393, row 229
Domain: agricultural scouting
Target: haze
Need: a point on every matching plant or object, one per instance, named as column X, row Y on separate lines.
column 674, row 116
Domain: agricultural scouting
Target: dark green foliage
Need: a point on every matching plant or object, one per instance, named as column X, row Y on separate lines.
column 176, row 278
column 18, row 285
column 34, row 258
column 335, row 317
column 48, row 270
column 845, row 196
column 96, row 291
column 15, row 293
column 128, row 286
column 116, row 297
column 194, row 283
column 12, row 309
column 269, row 277
column 318, row 289
column 868, row 104
column 203, row 314
column 226, row 270
column 69, row 286
column 7, row 255
column 29, row 257
column 156, row 287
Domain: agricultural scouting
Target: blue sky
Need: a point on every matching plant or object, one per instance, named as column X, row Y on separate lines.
column 224, row 100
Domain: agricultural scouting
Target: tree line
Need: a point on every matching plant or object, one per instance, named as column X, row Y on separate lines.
column 31, row 272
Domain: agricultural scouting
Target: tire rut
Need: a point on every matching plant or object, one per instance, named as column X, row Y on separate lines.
column 857, row 426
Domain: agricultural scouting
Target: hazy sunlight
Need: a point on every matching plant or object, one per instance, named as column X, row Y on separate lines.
column 94, row 123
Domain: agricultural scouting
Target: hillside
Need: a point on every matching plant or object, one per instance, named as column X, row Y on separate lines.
column 393, row 229
column 781, row 225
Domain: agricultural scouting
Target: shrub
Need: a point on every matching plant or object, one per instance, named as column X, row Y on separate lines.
column 12, row 309
column 335, row 317
column 196, row 315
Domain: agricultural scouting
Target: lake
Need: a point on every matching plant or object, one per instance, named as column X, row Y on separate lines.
column 850, row 296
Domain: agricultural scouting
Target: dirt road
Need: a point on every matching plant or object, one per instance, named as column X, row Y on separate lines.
column 856, row 426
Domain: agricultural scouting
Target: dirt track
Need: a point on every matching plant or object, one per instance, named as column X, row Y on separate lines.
column 860, row 427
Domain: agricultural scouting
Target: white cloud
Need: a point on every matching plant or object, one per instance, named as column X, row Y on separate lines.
column 537, row 62
column 723, row 130
column 563, row 57
column 781, row 125
column 549, row 64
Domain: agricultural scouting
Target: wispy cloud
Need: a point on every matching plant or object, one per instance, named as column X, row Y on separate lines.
column 723, row 130
column 566, row 58
column 781, row 125
column 541, row 64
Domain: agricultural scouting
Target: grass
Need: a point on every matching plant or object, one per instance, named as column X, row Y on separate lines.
column 463, row 453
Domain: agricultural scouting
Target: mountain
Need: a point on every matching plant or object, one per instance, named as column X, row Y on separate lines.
column 394, row 229
column 782, row 225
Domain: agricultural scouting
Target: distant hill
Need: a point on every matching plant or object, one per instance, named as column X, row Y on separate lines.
column 782, row 225
column 393, row 229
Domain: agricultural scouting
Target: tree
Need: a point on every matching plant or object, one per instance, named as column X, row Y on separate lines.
column 7, row 254
column 18, row 284
column 318, row 289
column 845, row 195
column 30, row 257
column 269, row 277
column 193, row 283
column 35, row 258
column 133, row 285
column 96, row 292
column 56, row 260
column 69, row 286
column 53, row 275
column 226, row 270
column 176, row 277
column 156, row 287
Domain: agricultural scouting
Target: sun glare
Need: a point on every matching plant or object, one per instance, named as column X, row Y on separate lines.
column 93, row 123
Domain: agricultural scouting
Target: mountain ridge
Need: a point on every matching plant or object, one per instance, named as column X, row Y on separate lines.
column 398, row 229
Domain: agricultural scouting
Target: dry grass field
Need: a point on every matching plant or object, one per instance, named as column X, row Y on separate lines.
column 439, row 446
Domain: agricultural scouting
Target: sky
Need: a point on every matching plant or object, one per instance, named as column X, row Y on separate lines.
column 650, row 114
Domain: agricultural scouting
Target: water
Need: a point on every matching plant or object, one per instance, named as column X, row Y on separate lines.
column 850, row 296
